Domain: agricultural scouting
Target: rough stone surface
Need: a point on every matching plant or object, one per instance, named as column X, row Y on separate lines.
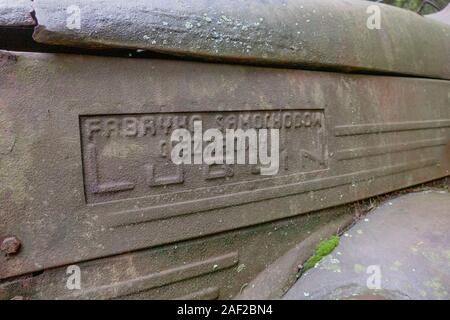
column 407, row 237
column 16, row 13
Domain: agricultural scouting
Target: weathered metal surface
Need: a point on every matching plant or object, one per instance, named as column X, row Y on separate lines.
column 308, row 33
column 441, row 16
column 370, row 135
column 118, row 170
column 215, row 267
column 16, row 13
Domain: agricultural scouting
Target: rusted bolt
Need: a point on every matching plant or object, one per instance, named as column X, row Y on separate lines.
column 10, row 245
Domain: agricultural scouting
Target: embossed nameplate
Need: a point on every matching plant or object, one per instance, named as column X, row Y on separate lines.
column 128, row 155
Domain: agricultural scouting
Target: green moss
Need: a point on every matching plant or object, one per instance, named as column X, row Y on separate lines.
column 323, row 248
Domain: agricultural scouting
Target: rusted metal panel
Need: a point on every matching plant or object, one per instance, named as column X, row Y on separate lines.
column 218, row 266
column 306, row 33
column 345, row 137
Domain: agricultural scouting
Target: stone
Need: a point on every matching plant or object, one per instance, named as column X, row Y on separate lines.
column 405, row 243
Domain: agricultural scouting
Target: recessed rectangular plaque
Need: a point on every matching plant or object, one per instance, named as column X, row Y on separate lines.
column 128, row 155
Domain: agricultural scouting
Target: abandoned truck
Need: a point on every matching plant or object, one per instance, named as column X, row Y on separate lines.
column 91, row 93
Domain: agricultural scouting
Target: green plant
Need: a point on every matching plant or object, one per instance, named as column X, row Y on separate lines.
column 324, row 248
